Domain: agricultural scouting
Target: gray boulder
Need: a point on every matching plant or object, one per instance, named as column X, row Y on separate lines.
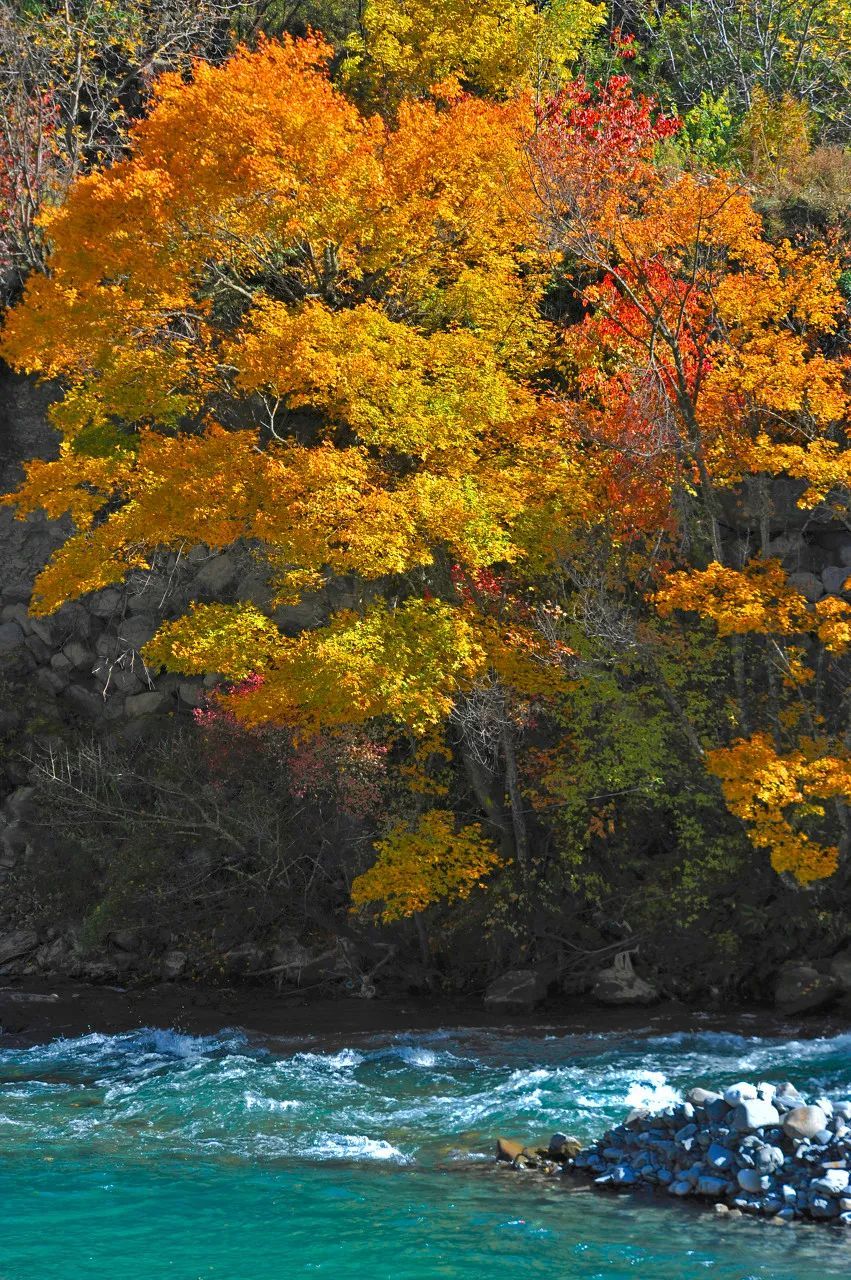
column 808, row 584
column 191, row 694
column 144, row 704
column 11, row 637
column 248, row 958
column 126, row 939
column 752, row 1181
column 78, row 655
column 119, row 680
column 14, row 838
column 103, row 604
column 83, row 702
column 834, row 579
column 840, row 969
column 832, row 1182
column 20, row 803
column 739, row 1093
column 787, row 1096
column 801, row 988
column 219, row 574
column 753, row 1113
column 17, row 613
column 708, row 1185
column 517, row 990
column 700, row 1097
column 621, row 985
column 137, row 631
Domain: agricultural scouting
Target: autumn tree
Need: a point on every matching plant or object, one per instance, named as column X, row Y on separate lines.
column 507, row 372
column 283, row 322
column 746, row 47
column 704, row 366
column 493, row 47
column 73, row 74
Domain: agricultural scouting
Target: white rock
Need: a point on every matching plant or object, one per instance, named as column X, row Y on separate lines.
column 173, row 964
column 621, row 985
column 832, row 1182
column 753, row 1113
column 739, row 1093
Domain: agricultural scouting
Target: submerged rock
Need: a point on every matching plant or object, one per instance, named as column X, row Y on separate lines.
column 508, row 1150
column 558, row 1152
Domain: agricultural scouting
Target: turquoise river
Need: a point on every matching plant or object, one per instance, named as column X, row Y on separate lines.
column 154, row 1154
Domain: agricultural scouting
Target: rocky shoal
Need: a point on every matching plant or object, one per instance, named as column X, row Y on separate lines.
column 752, row 1148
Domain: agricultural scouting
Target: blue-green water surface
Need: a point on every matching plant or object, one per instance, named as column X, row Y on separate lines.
column 155, row 1154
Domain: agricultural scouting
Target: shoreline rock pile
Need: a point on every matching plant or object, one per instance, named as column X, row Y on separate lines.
column 759, row 1149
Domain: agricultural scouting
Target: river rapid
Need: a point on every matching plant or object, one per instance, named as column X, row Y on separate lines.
column 155, row 1154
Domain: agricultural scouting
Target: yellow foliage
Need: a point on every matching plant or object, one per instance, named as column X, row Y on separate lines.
column 78, row 485
column 774, row 136
column 235, row 640
column 431, row 862
column 405, row 47
column 822, row 463
column 364, row 303
column 833, row 618
column 755, row 599
column 768, row 792
column 406, row 664
column 394, row 387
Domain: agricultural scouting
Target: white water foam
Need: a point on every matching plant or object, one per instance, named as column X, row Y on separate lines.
column 416, row 1056
column 651, row 1089
column 354, row 1146
column 345, row 1060
column 259, row 1102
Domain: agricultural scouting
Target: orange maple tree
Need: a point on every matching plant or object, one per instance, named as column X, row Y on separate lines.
column 283, row 322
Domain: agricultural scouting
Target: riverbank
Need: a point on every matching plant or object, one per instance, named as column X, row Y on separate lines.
column 33, row 1011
